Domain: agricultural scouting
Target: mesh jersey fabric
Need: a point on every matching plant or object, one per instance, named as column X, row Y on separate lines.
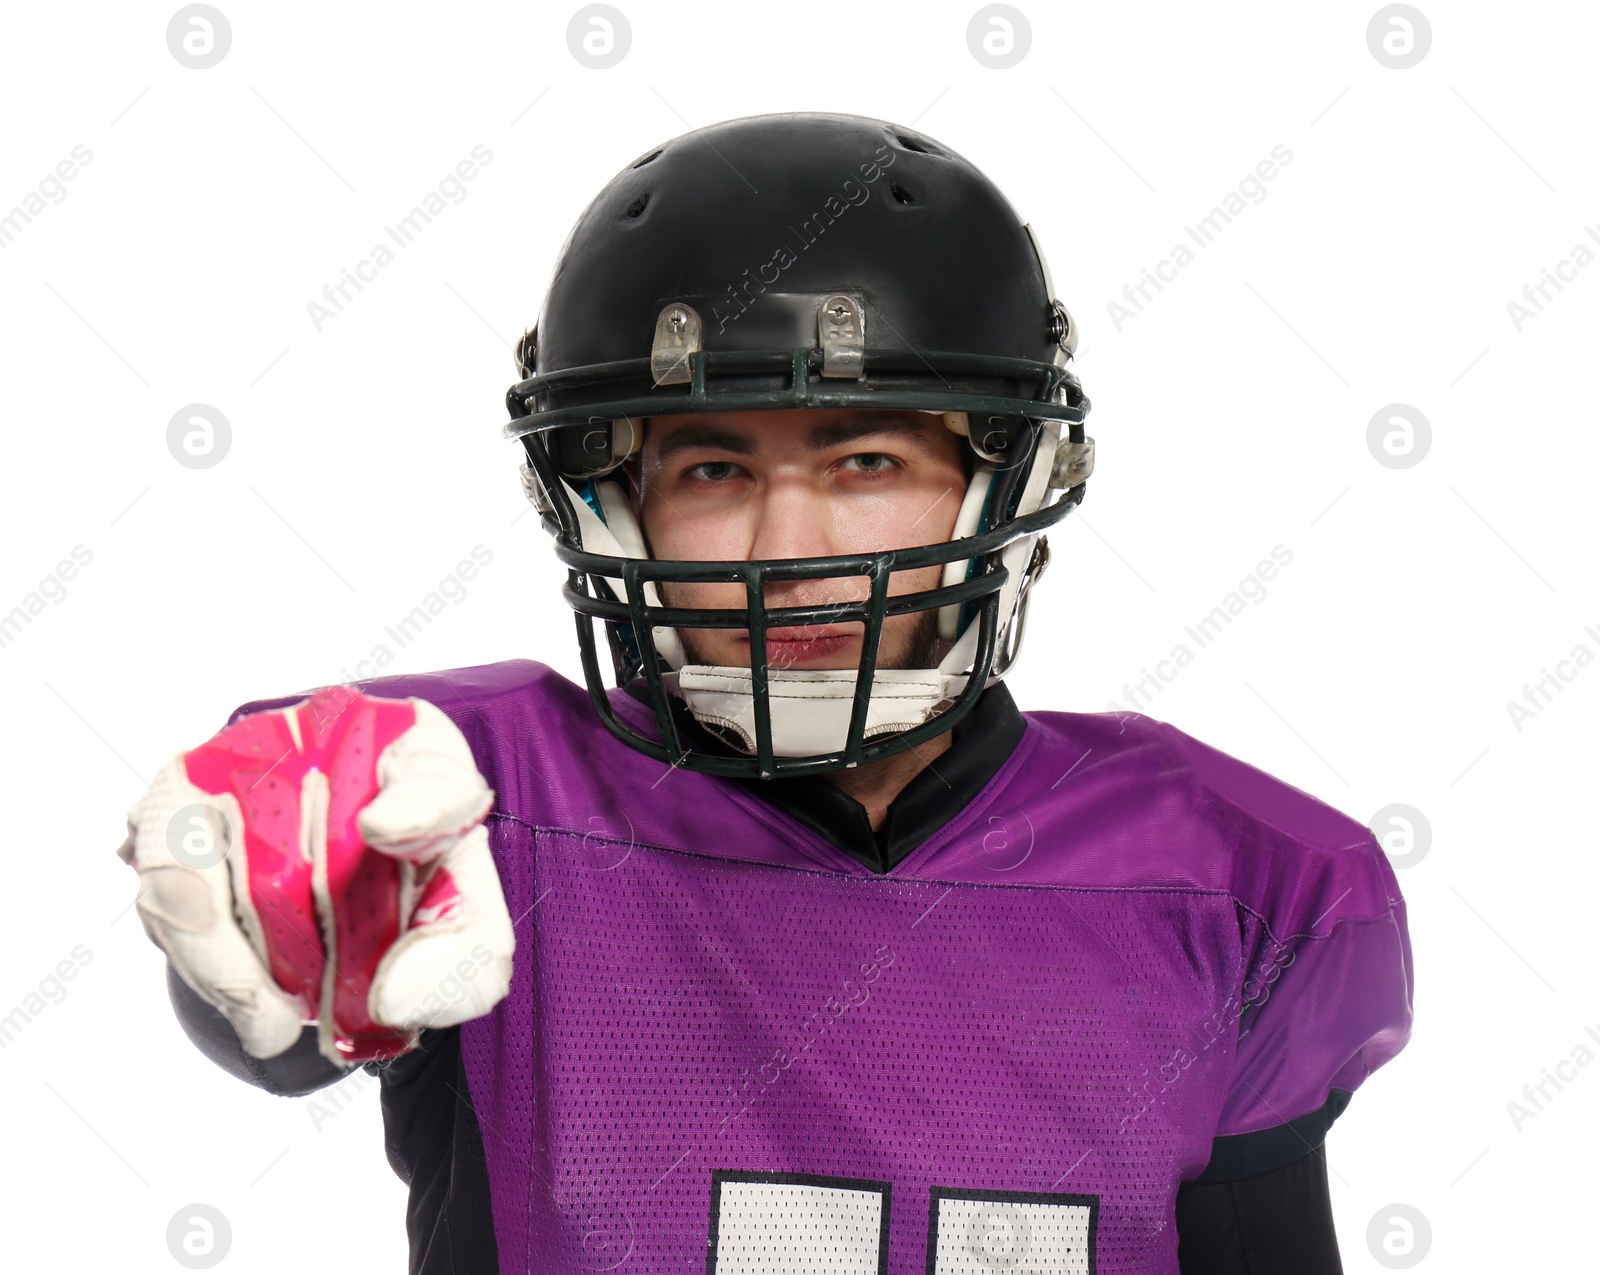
column 1251, row 1221
column 729, row 1042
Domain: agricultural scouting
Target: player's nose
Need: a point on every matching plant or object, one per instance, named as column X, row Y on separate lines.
column 793, row 522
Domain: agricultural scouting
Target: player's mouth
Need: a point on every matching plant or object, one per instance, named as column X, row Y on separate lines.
column 805, row 644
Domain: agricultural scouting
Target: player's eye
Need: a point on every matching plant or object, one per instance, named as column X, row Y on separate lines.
column 871, row 462
column 712, row 471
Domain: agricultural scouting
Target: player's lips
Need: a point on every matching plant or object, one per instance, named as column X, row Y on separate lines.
column 804, row 644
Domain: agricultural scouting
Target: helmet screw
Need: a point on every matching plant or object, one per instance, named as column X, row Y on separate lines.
column 677, row 319
column 1062, row 329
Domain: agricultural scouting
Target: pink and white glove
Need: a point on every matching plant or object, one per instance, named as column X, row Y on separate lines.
column 328, row 863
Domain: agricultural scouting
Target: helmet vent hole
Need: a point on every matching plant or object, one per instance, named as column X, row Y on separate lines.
column 642, row 162
column 911, row 143
column 637, row 206
column 900, row 193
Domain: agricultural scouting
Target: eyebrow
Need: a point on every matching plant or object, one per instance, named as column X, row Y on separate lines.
column 718, row 438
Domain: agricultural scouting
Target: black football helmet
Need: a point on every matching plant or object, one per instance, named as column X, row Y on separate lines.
column 800, row 261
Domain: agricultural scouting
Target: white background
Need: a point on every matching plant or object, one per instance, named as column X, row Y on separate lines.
column 1231, row 416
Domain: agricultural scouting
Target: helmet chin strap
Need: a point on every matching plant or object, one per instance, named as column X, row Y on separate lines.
column 810, row 709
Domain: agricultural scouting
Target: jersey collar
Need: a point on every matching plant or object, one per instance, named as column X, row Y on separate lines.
column 981, row 743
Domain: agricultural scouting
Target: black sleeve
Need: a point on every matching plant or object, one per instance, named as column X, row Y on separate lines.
column 435, row 1145
column 1276, row 1223
column 1261, row 1206
column 301, row 1069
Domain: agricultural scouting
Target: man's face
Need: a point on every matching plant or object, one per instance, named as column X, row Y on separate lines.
column 801, row 483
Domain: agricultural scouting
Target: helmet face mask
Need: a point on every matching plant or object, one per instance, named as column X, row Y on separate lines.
column 797, row 484
column 864, row 321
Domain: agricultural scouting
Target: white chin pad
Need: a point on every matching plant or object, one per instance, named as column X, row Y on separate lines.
column 810, row 707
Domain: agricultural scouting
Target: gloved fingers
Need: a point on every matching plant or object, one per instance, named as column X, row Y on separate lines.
column 181, row 840
column 218, row 961
column 454, row 962
column 430, row 792
column 302, row 851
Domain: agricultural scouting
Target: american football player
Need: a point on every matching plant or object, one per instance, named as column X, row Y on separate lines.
column 787, row 942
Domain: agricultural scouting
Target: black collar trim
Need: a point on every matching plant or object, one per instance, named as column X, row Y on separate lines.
column 981, row 743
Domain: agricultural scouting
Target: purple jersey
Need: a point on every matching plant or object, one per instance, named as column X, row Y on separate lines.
column 729, row 1046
